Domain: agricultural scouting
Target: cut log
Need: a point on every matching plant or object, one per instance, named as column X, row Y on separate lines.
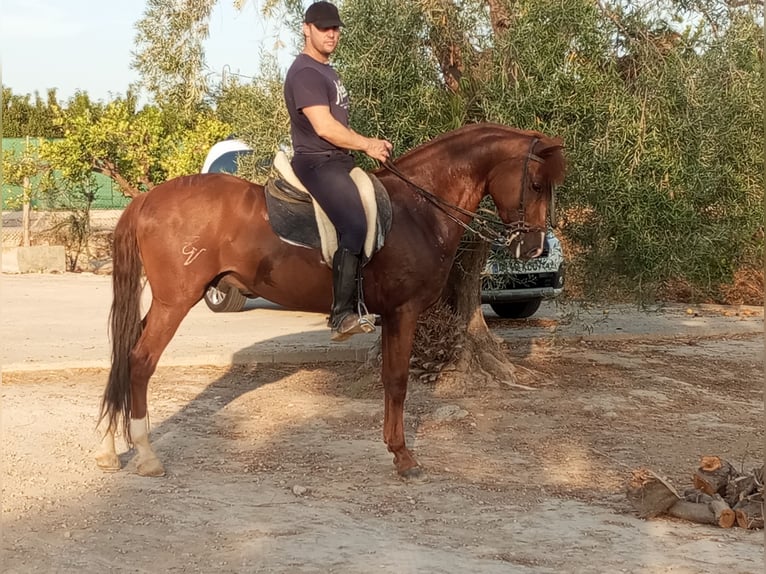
column 698, row 512
column 713, row 475
column 710, row 463
column 739, row 489
column 720, row 496
column 724, row 515
column 694, row 495
column 650, row 494
column 749, row 514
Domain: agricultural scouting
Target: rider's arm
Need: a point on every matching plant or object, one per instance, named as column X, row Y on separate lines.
column 330, row 129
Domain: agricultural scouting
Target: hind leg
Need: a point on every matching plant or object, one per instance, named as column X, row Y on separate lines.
column 106, row 457
column 161, row 323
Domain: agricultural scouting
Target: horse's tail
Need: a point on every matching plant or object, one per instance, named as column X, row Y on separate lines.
column 125, row 325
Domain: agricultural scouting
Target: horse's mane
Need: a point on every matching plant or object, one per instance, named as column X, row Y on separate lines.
column 555, row 164
column 441, row 138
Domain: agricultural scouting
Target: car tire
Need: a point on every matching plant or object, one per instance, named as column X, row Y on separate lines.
column 224, row 298
column 516, row 309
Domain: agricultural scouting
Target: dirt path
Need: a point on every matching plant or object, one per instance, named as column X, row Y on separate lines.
column 282, row 468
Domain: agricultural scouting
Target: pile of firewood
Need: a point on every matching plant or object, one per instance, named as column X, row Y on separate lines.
column 721, row 495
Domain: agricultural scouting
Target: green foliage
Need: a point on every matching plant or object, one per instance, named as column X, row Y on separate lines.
column 24, row 118
column 259, row 117
column 138, row 148
column 189, row 150
column 74, row 199
column 25, row 170
column 169, row 53
column 664, row 182
column 114, row 139
column 394, row 85
column 659, row 105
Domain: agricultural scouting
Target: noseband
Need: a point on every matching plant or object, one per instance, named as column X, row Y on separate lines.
column 487, row 224
column 521, row 225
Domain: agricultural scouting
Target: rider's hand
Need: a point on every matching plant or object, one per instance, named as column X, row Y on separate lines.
column 378, row 149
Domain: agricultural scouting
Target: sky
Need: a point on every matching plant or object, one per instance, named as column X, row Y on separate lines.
column 86, row 44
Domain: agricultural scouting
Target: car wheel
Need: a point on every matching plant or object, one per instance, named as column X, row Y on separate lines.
column 224, row 298
column 516, row 309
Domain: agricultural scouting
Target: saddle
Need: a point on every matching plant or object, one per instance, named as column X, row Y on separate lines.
column 299, row 220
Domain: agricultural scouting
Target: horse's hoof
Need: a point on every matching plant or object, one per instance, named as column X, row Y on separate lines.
column 151, row 467
column 108, row 462
column 414, row 472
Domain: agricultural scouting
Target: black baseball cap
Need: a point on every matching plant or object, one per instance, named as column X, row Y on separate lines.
column 323, row 15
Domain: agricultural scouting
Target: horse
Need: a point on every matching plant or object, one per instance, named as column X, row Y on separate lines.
column 194, row 231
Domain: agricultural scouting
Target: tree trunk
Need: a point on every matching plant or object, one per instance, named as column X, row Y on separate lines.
column 109, row 169
column 26, row 223
column 448, row 42
column 500, row 17
column 477, row 354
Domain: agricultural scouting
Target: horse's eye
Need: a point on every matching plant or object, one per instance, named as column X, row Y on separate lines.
column 537, row 186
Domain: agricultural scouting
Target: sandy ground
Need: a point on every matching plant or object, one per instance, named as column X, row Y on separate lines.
column 60, row 321
column 281, row 467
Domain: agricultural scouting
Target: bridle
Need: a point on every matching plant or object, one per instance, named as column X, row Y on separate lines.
column 485, row 224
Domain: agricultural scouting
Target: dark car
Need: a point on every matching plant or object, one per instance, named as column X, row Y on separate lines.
column 513, row 288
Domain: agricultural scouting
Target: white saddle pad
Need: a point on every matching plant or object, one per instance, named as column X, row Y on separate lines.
column 327, row 233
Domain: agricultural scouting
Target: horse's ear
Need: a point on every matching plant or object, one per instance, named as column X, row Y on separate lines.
column 551, row 145
column 555, row 163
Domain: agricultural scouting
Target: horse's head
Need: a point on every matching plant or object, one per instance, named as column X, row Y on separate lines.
column 522, row 185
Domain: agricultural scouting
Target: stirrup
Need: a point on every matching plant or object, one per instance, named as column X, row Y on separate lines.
column 353, row 324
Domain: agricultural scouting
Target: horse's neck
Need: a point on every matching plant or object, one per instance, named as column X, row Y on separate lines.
column 457, row 181
column 456, row 185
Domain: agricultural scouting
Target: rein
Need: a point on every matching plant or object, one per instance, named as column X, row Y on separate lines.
column 486, row 223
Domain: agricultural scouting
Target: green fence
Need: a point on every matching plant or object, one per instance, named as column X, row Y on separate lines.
column 108, row 194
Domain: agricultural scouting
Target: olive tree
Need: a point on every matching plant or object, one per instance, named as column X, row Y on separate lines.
column 169, row 54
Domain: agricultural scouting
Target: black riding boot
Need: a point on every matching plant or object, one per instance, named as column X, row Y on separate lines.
column 345, row 318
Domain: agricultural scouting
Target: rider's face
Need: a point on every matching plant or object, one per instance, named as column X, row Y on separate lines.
column 321, row 41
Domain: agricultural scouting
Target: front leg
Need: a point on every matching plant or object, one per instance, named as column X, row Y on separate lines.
column 398, row 334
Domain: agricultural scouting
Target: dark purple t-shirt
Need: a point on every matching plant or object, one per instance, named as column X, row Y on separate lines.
column 311, row 83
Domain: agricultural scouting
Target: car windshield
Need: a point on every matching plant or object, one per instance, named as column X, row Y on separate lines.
column 228, row 162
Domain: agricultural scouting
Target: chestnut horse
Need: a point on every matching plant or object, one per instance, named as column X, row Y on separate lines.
column 194, row 230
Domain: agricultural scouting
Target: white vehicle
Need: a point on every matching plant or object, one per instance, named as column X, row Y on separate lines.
column 224, row 157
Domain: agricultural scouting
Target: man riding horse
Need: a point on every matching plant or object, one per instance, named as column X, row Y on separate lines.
column 318, row 106
column 228, row 225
